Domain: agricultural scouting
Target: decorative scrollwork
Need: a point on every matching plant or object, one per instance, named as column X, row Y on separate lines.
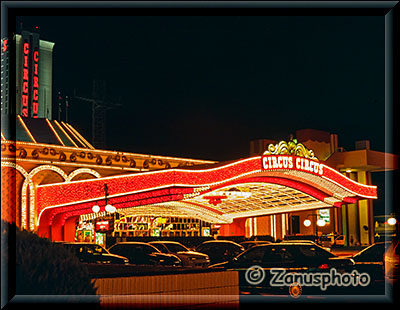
column 12, row 147
column 290, row 148
column 35, row 154
column 99, row 160
column 22, row 153
column 72, row 157
column 62, row 156
column 108, row 160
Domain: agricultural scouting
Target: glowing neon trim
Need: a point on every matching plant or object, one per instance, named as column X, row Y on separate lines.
column 65, row 133
column 70, row 130
column 32, row 208
column 104, row 152
column 80, row 171
column 80, row 136
column 55, row 133
column 26, row 128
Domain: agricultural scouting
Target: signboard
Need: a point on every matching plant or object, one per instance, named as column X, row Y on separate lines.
column 274, row 162
column 30, row 74
column 102, row 226
column 155, row 232
column 323, row 214
column 205, row 231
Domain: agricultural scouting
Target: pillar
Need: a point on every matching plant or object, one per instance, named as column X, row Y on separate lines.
column 69, row 228
column 364, row 212
column 57, row 233
column 44, row 231
column 237, row 228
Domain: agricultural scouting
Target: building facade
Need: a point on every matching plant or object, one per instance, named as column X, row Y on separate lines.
column 54, row 182
column 34, row 70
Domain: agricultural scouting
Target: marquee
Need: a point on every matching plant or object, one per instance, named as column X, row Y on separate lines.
column 268, row 184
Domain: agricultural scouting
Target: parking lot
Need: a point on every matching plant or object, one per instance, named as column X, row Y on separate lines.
column 269, row 270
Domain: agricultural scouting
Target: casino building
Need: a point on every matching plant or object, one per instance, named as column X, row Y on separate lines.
column 54, row 182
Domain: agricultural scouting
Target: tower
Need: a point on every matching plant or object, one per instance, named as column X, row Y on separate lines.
column 100, row 104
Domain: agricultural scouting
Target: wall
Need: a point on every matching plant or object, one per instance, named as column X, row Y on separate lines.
column 204, row 290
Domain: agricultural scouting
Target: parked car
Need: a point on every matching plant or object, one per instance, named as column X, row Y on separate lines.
column 291, row 258
column 188, row 258
column 307, row 241
column 220, row 250
column 93, row 253
column 391, row 260
column 249, row 244
column 372, row 260
column 331, row 240
column 140, row 253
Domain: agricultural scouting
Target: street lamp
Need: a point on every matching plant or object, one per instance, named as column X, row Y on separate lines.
column 321, row 223
column 307, row 223
column 109, row 208
column 318, row 223
column 392, row 221
column 96, row 209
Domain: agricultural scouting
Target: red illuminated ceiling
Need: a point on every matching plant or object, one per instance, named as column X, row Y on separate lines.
column 218, row 193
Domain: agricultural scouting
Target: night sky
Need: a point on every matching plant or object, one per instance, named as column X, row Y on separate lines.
column 203, row 87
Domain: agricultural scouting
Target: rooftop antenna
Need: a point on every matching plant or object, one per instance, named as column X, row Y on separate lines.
column 100, row 104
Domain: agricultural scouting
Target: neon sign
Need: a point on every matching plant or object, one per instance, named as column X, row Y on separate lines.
column 272, row 162
column 30, row 75
column 25, row 81
column 35, row 96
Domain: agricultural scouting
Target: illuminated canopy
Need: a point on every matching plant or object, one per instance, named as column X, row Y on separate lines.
column 267, row 184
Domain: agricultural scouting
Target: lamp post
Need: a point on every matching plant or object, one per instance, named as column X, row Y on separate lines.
column 318, row 222
column 109, row 208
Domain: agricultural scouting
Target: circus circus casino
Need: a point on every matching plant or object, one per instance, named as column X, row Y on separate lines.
column 55, row 183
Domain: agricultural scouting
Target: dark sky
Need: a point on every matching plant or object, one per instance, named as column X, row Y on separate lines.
column 203, row 87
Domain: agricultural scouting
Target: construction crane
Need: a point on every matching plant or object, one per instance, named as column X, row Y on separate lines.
column 100, row 104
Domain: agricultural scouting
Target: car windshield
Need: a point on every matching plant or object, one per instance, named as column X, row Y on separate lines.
column 160, row 247
column 175, row 247
column 374, row 252
column 147, row 248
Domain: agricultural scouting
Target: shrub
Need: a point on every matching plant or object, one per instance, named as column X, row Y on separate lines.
column 46, row 268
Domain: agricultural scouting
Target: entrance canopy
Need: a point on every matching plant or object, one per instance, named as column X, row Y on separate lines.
column 219, row 193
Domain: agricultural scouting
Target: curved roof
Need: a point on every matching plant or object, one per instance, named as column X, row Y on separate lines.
column 217, row 194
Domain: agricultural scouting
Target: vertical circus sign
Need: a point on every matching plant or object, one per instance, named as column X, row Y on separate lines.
column 35, row 92
column 30, row 75
column 25, row 80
